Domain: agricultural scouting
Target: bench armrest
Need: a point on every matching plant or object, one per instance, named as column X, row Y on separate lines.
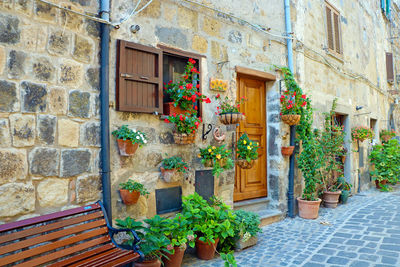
column 134, row 245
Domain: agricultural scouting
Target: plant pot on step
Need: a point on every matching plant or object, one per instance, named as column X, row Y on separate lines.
column 244, row 164
column 379, row 184
column 331, row 199
column 126, row 147
column 174, row 260
column 291, row 119
column 231, row 118
column 240, row 244
column 168, row 175
column 287, row 150
column 148, row 263
column 204, row 250
column 184, row 139
column 308, row 209
column 129, row 198
column 170, row 109
column 344, row 196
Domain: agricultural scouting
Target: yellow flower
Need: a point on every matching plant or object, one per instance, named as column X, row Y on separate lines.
column 244, row 142
column 257, row 144
column 251, row 143
column 248, row 147
column 218, row 156
column 213, row 147
column 199, row 156
column 209, row 150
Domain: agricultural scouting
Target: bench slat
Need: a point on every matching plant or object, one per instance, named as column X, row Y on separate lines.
column 48, row 217
column 95, row 258
column 50, row 227
column 123, row 260
column 57, row 244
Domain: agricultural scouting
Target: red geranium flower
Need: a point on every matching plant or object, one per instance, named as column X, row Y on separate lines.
column 189, row 86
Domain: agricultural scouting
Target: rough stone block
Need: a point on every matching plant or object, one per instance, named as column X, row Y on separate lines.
column 68, row 133
column 22, row 130
column 13, row 165
column 16, row 198
column 90, row 134
column 272, row 146
column 79, row 104
column 235, row 37
column 34, row 97
column 212, row 27
column 71, row 73
column 172, row 36
column 92, row 28
column 92, row 78
column 46, row 126
column 219, row 51
column 52, row 192
column 3, row 58
column 169, row 13
column 5, row 138
column 70, row 20
column 45, row 11
column 153, row 10
column 88, row 188
column 188, row 19
column 199, row 44
column 24, row 6
column 83, row 49
column 43, row 70
column 15, row 64
column 58, row 42
column 8, row 97
column 166, row 138
column 10, row 32
column 44, row 161
column 96, row 105
column 75, row 161
column 58, row 101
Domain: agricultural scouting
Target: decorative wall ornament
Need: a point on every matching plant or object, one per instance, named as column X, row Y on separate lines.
column 218, row 85
column 219, row 136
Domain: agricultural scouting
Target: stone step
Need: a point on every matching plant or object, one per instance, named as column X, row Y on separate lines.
column 257, row 204
column 270, row 216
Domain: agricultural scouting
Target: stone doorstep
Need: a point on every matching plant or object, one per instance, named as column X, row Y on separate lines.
column 270, row 216
column 257, row 204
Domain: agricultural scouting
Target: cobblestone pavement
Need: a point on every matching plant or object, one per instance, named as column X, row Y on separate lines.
column 364, row 232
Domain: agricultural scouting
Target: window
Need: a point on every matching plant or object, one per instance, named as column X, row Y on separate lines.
column 333, row 30
column 141, row 72
column 385, row 6
column 389, row 68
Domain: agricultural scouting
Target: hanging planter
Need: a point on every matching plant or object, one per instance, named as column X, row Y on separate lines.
column 287, row 150
column 231, row 118
column 184, row 139
column 130, row 192
column 217, row 157
column 129, row 140
column 361, row 133
column 170, row 168
column 129, row 198
column 185, row 128
column 291, row 119
column 246, row 152
column 244, row 164
column 228, row 111
column 126, row 148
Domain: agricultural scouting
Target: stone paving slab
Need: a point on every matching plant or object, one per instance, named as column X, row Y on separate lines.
column 363, row 233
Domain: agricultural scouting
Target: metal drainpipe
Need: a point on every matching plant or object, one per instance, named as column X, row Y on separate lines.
column 104, row 104
column 289, row 43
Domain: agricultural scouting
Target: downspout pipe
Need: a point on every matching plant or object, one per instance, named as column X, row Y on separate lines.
column 104, row 104
column 289, row 43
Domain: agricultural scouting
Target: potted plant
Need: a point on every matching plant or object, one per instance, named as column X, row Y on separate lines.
column 247, row 229
column 246, row 152
column 185, row 93
column 217, row 157
column 287, row 150
column 386, row 135
column 228, row 111
column 346, row 189
column 170, row 166
column 361, row 133
column 153, row 241
column 185, row 127
column 129, row 140
column 130, row 192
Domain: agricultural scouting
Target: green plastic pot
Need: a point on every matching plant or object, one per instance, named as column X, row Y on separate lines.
column 344, row 196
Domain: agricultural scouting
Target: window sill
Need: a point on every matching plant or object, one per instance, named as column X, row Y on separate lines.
column 338, row 57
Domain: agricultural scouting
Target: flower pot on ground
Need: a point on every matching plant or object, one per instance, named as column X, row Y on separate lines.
column 218, row 157
column 380, row 184
column 185, row 128
column 130, row 192
column 174, row 259
column 344, row 196
column 308, row 209
column 287, row 150
column 246, row 229
column 228, row 111
column 171, row 166
column 346, row 189
column 206, row 250
column 129, row 140
column 148, row 263
column 361, row 133
column 246, row 152
column 331, row 199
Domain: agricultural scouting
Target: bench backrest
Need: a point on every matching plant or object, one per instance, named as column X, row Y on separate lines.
column 53, row 237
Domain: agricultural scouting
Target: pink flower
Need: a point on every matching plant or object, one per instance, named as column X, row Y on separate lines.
column 170, row 247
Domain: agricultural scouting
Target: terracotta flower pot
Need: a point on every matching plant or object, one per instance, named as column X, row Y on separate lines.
column 168, row 175
column 291, row 119
column 231, row 118
column 149, row 263
column 287, row 150
column 170, row 109
column 174, row 260
column 204, row 250
column 331, row 199
column 308, row 209
column 184, row 139
column 129, row 198
column 126, row 148
column 244, row 164
column 379, row 184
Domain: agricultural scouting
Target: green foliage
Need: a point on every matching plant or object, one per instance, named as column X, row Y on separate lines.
column 247, row 149
column 247, row 222
column 181, row 231
column 361, row 133
column 343, row 185
column 219, row 156
column 134, row 186
column 184, row 123
column 124, row 133
column 386, row 162
column 229, row 259
column 227, row 106
column 176, row 163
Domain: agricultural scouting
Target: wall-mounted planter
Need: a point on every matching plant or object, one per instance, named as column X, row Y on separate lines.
column 126, row 148
column 244, row 164
column 184, row 139
column 129, row 198
column 168, row 175
column 170, row 109
column 231, row 118
column 291, row 119
column 287, row 150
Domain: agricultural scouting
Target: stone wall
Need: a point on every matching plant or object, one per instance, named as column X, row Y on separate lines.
column 49, row 114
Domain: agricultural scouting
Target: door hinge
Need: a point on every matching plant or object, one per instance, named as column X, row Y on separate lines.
column 126, row 75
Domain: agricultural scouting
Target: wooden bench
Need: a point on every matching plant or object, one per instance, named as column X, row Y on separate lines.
column 76, row 237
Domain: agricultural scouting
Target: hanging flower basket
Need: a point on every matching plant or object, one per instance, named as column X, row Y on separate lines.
column 184, row 139
column 291, row 119
column 287, row 150
column 210, row 163
column 170, row 109
column 129, row 198
column 126, row 148
column 231, row 118
column 244, row 164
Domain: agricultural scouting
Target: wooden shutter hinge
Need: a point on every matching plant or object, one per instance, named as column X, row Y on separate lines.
column 126, row 75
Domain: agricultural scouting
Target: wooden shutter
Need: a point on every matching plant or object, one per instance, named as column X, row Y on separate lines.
column 389, row 67
column 139, row 78
column 333, row 29
column 336, row 23
column 329, row 28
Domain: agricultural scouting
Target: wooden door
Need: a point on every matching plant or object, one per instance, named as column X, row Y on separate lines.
column 252, row 183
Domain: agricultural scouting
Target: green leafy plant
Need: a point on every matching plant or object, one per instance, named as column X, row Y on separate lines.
column 228, row 106
column 293, row 100
column 185, row 93
column 131, row 186
column 124, row 133
column 180, row 232
column 184, row 123
column 385, row 135
column 247, row 224
column 174, row 163
column 361, row 133
column 247, row 149
column 343, row 185
column 218, row 156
